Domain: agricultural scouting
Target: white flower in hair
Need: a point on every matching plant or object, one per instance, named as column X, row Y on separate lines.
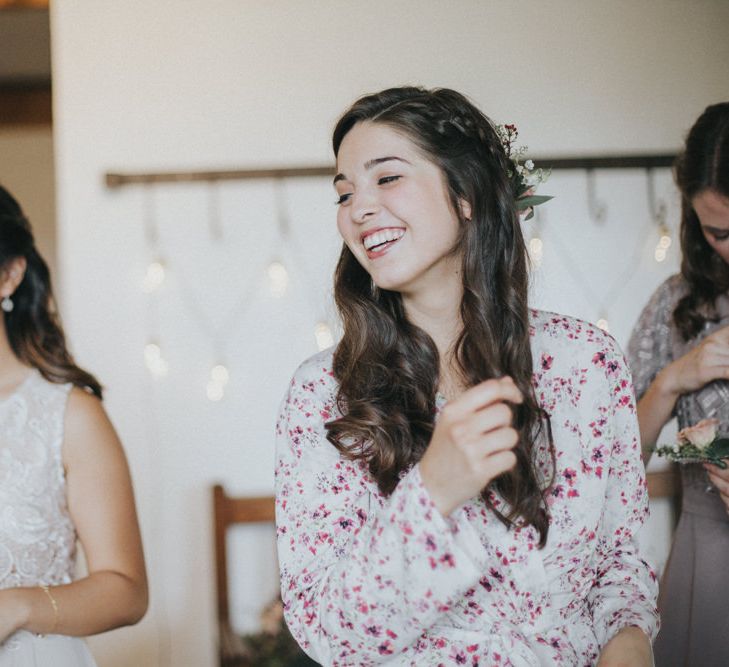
column 524, row 178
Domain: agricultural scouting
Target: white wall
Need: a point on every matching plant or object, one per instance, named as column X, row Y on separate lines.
column 176, row 85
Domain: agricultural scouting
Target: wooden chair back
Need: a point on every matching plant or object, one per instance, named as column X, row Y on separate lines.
column 664, row 484
column 229, row 511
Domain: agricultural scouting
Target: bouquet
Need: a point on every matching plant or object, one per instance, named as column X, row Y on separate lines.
column 698, row 444
column 524, row 177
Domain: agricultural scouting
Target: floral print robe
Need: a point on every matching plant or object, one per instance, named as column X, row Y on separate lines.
column 374, row 580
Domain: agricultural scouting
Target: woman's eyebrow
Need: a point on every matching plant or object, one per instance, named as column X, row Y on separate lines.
column 379, row 160
column 372, row 163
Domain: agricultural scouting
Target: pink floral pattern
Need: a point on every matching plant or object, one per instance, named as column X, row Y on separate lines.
column 369, row 580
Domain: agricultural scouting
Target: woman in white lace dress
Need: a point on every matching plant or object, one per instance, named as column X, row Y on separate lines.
column 63, row 478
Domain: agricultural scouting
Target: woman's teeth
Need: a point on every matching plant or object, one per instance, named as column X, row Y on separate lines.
column 383, row 236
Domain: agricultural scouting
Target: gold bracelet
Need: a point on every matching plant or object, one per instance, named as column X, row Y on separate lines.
column 54, row 604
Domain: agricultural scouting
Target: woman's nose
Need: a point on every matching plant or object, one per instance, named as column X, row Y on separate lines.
column 365, row 206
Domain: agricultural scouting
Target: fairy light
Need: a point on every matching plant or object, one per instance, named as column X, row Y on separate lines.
column 219, row 377
column 603, row 324
column 215, row 391
column 278, row 278
column 154, row 360
column 664, row 243
column 324, row 337
column 220, row 374
column 154, row 277
column 536, row 250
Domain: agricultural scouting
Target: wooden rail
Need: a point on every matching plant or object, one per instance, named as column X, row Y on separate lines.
column 118, row 179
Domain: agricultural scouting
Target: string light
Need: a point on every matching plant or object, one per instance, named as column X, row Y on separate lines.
column 536, row 250
column 220, row 374
column 279, row 279
column 664, row 243
column 324, row 337
column 219, row 377
column 215, row 391
column 154, row 360
column 154, row 277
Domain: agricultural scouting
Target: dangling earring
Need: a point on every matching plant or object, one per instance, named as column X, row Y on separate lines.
column 7, row 304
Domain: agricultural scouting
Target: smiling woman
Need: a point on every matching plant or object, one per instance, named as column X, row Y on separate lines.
column 394, row 212
column 459, row 480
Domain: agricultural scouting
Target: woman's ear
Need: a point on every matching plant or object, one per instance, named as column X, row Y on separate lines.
column 12, row 275
column 465, row 209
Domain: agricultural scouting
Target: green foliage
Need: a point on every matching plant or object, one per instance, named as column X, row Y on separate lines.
column 718, row 450
column 523, row 176
column 274, row 646
column 715, row 453
column 275, row 650
column 532, row 200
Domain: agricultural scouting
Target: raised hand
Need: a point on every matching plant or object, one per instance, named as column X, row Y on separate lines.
column 472, row 443
column 708, row 361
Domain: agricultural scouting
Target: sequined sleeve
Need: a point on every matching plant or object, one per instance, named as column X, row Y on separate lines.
column 649, row 348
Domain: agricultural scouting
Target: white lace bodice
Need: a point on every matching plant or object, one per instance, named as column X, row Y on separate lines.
column 37, row 536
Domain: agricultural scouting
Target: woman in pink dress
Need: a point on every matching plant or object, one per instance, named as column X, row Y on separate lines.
column 459, row 480
column 63, row 479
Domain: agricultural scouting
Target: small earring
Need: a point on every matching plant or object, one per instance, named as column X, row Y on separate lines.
column 7, row 304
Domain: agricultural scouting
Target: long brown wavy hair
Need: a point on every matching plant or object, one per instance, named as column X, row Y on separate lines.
column 703, row 165
column 33, row 327
column 388, row 368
